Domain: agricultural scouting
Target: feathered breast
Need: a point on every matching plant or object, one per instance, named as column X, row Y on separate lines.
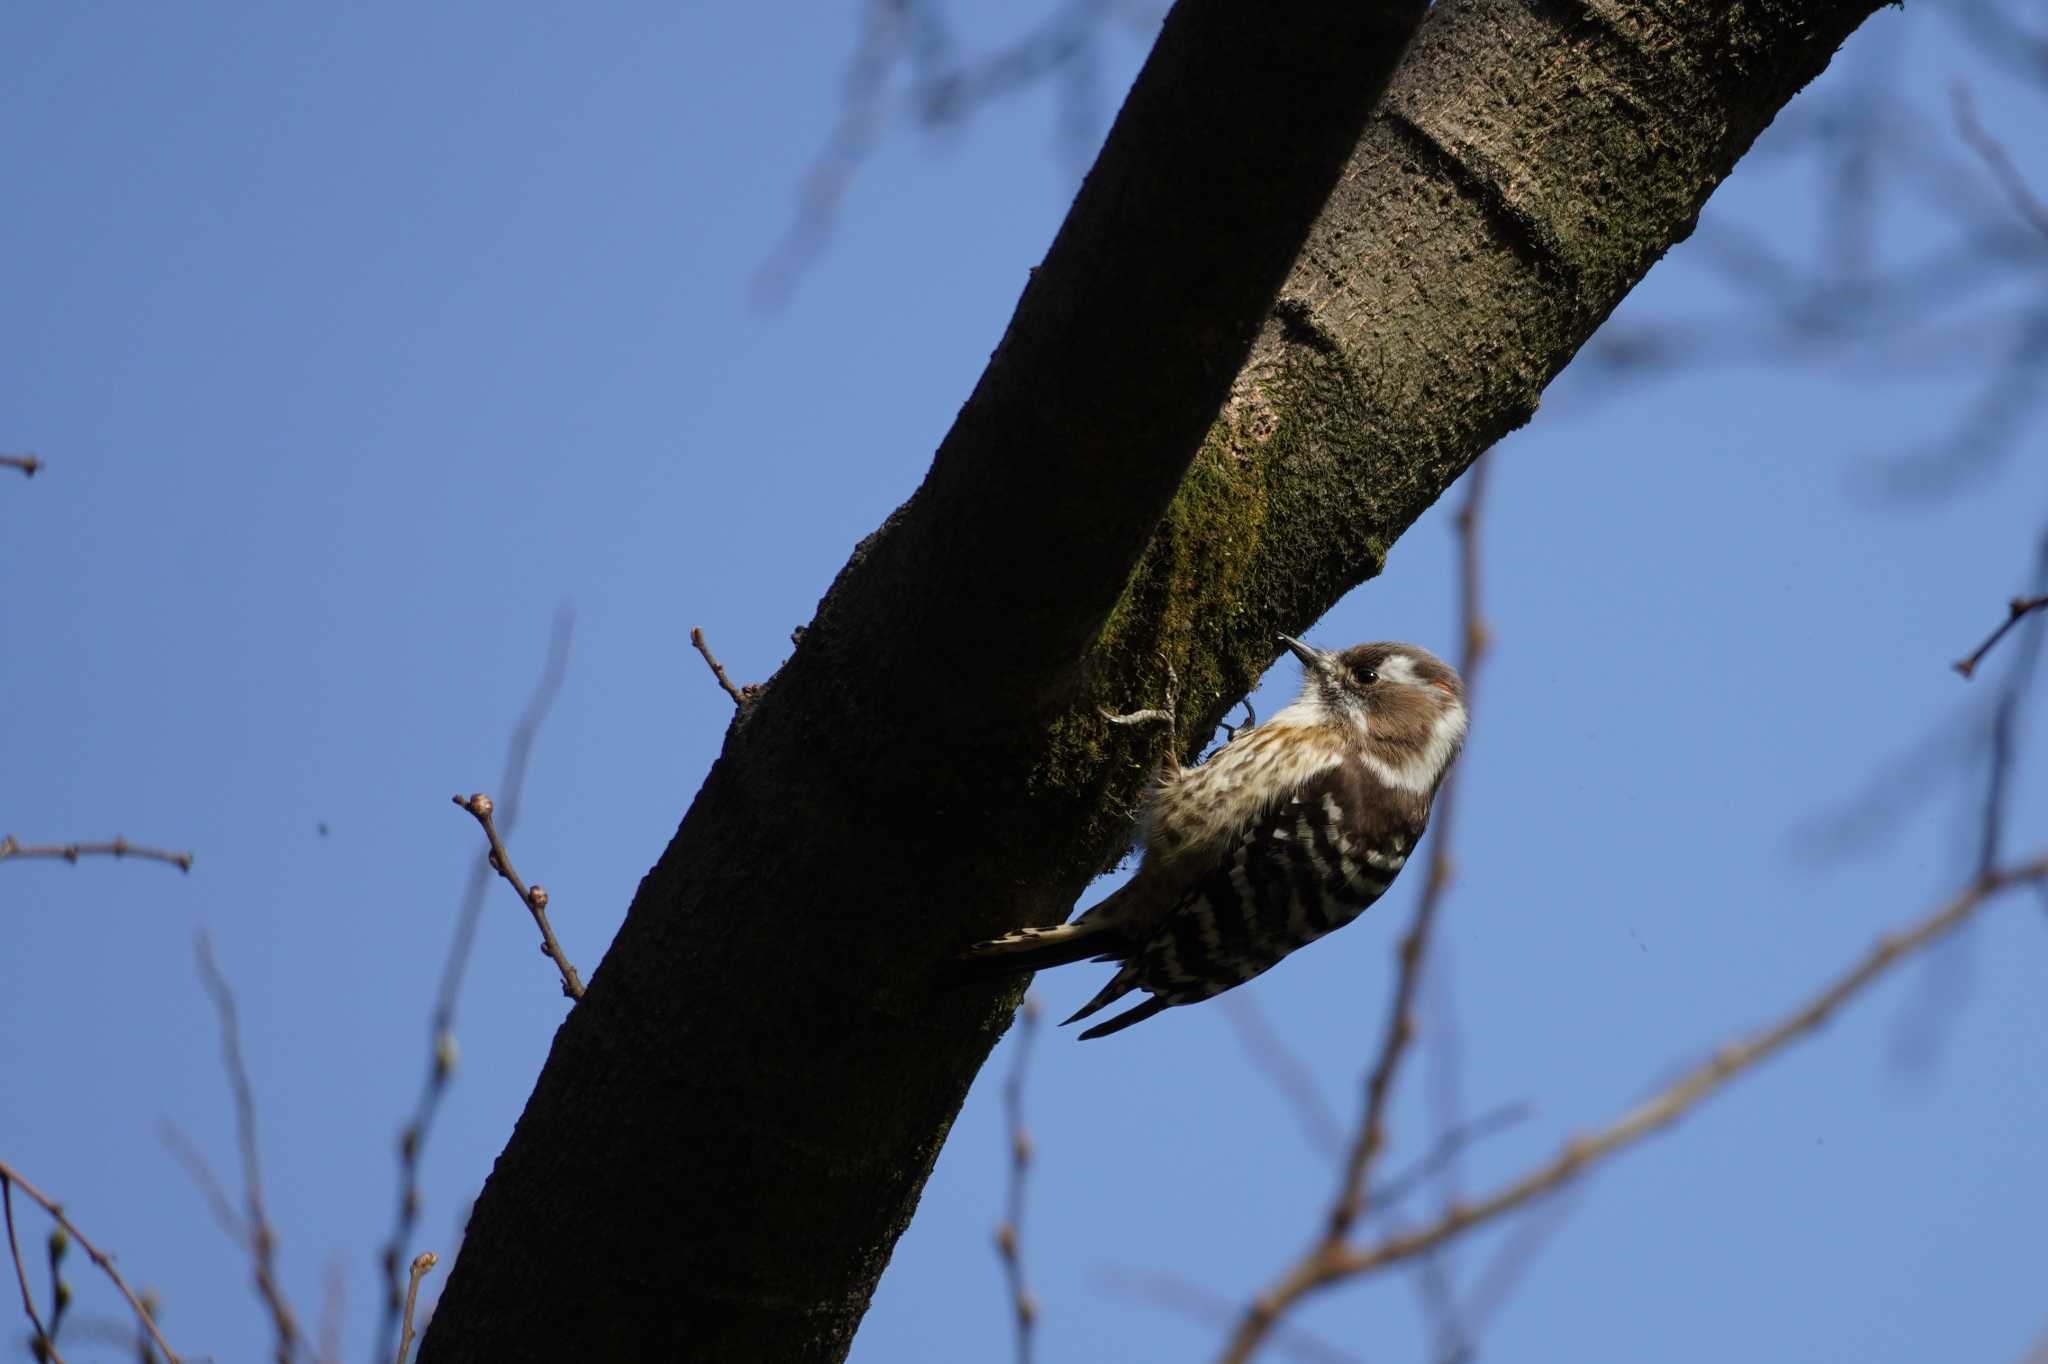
column 1194, row 812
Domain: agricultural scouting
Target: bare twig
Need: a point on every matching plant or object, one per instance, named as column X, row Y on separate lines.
column 187, row 1154
column 740, row 695
column 71, row 852
column 28, row 464
column 1997, row 159
column 1337, row 1262
column 1371, row 1136
column 1511, row 1260
column 1400, row 1031
column 54, row 1247
column 2038, row 1352
column 333, row 1307
column 442, row 1050
column 260, row 1236
column 1454, row 1338
column 1284, row 1070
column 143, row 1353
column 1437, row 1292
column 1010, row 1232
column 1924, row 1025
column 10, row 1176
column 535, row 898
column 98, row 1330
column 946, row 87
column 1196, row 1303
column 884, row 38
column 1444, row 1056
column 2016, row 611
column 1449, row 1146
column 45, row 1346
column 421, row 1263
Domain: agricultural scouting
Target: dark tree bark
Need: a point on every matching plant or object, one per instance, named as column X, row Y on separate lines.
column 1180, row 448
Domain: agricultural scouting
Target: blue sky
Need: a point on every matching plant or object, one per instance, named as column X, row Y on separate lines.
column 360, row 340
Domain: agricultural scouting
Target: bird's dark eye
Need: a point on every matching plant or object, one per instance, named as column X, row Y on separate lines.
column 1366, row 677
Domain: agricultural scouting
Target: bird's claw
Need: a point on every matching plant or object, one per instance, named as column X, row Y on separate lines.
column 1251, row 720
column 1158, row 715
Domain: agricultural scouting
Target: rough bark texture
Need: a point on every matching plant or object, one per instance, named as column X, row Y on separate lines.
column 734, row 1125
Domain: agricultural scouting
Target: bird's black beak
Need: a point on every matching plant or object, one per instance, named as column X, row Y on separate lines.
column 1310, row 657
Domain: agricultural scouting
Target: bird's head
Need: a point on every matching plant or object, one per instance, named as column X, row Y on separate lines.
column 1400, row 695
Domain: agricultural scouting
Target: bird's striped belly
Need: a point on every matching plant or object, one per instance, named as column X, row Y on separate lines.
column 1294, row 878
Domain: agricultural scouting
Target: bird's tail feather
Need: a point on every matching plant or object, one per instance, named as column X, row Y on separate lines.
column 1093, row 934
column 1034, row 949
column 1127, row 1018
column 1120, row 984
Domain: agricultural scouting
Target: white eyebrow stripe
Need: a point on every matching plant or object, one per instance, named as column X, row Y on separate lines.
column 1400, row 668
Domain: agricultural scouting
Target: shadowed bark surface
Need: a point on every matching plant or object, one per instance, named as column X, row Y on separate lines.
column 1180, row 448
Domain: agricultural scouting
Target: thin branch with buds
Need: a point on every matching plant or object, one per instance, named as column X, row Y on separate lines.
column 10, row 846
column 740, row 695
column 55, row 1246
column 1010, row 1232
column 1337, row 1261
column 441, row 1045
column 45, row 1342
column 10, row 1178
column 258, row 1233
column 2016, row 611
column 535, row 898
column 421, row 1263
column 28, row 464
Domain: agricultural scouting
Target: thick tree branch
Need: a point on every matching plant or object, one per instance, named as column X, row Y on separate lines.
column 735, row 1123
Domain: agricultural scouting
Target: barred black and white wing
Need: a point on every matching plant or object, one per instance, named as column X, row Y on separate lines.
column 1307, row 867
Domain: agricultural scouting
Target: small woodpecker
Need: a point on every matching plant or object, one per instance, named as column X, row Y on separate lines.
column 1291, row 830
